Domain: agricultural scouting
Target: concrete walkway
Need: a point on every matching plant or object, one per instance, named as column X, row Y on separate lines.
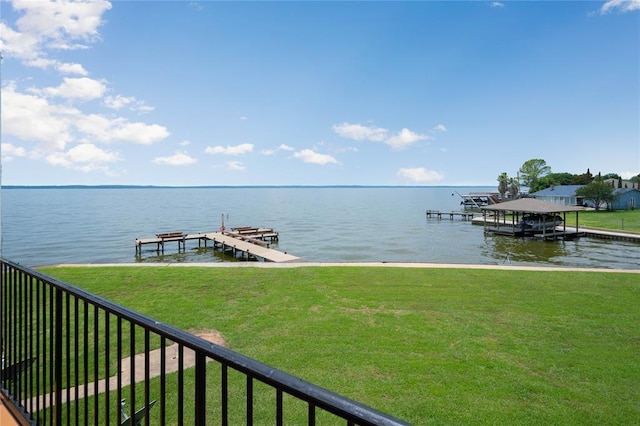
column 352, row 264
column 171, row 365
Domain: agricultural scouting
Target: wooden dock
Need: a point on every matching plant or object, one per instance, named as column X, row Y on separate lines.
column 438, row 214
column 246, row 242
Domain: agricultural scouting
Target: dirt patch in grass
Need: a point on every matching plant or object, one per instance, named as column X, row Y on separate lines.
column 212, row 336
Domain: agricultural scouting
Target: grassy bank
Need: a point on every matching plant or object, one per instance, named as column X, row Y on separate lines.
column 623, row 220
column 427, row 345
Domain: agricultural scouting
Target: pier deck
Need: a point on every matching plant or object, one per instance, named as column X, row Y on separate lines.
column 438, row 214
column 230, row 243
column 246, row 241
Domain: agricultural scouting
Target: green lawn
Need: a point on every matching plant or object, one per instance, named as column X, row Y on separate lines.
column 431, row 346
column 622, row 220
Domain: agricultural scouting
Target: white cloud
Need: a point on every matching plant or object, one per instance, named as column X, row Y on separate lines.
column 84, row 157
column 118, row 102
column 230, row 150
column 310, row 156
column 420, row 174
column 440, row 128
column 235, row 165
column 243, row 118
column 497, row 4
column 78, row 88
column 66, row 68
column 185, row 143
column 177, row 159
column 359, row 132
column 33, row 118
column 282, row 147
column 51, row 24
column 622, row 6
column 16, row 44
column 195, row 5
column 103, row 129
column 61, row 20
column 624, row 175
column 405, row 138
column 9, row 152
column 140, row 133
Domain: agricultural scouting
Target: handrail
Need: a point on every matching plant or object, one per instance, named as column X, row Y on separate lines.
column 57, row 305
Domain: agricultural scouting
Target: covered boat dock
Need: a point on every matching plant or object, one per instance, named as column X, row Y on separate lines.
column 507, row 219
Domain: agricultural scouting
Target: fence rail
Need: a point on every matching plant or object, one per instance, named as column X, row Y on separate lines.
column 71, row 357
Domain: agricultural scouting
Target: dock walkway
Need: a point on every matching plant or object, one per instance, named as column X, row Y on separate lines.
column 231, row 243
column 248, row 242
column 438, row 214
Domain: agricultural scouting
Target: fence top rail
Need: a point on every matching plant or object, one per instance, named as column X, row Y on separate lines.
column 288, row 383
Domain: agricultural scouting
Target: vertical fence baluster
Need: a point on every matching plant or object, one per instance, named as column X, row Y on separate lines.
column 107, row 349
column 96, row 365
column 311, row 415
column 249, row 400
column 200, row 389
column 36, row 364
column 224, row 385
column 32, row 372
column 85, row 357
column 119, row 364
column 180, row 384
column 58, row 358
column 76, row 357
column 67, row 358
column 146, row 376
column 279, row 412
column 132, row 371
column 52, row 359
column 163, row 380
column 14, row 334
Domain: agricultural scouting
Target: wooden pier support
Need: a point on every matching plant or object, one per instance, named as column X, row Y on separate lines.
column 438, row 214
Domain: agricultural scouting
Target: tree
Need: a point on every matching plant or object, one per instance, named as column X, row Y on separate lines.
column 514, row 188
column 531, row 172
column 503, row 182
column 598, row 192
column 612, row 176
column 583, row 179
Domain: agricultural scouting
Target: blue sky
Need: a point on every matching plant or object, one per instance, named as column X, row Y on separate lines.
column 316, row 93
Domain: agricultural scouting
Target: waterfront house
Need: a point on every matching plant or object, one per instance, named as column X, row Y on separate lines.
column 626, row 199
column 560, row 194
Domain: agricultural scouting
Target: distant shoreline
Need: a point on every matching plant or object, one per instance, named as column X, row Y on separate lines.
column 229, row 186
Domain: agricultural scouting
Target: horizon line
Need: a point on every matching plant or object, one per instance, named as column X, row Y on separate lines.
column 108, row 186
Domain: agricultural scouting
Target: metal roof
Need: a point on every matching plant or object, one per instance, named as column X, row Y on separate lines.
column 557, row 191
column 531, row 205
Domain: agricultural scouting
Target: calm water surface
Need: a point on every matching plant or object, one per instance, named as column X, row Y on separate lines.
column 48, row 226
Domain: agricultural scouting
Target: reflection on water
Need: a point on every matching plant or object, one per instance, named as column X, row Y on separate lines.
column 507, row 249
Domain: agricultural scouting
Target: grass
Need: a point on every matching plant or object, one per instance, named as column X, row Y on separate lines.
column 621, row 220
column 431, row 346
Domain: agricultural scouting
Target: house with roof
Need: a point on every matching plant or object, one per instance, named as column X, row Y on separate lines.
column 560, row 194
column 626, row 198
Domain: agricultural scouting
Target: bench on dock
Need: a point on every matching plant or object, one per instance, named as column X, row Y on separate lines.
column 171, row 236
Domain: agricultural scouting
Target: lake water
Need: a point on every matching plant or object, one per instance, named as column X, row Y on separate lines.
column 318, row 224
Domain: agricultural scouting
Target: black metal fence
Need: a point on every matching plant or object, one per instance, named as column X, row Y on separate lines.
column 70, row 357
